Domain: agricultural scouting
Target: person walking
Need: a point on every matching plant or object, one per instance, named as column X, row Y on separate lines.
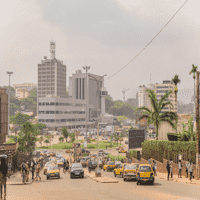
column 154, row 167
column 168, row 170
column 179, row 169
column 9, row 169
column 187, row 166
column 33, row 166
column 38, row 171
column 3, row 175
column 190, row 170
column 149, row 161
column 171, row 168
column 27, row 171
column 23, row 172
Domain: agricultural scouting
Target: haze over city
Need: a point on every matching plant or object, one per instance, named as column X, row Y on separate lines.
column 105, row 35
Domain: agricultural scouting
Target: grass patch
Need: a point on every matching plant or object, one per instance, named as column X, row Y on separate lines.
column 66, row 145
column 10, row 141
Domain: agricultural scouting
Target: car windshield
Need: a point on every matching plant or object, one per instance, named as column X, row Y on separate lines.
column 118, row 163
column 60, row 160
column 130, row 167
column 145, row 169
column 77, row 165
column 111, row 163
column 94, row 162
column 47, row 165
column 53, row 167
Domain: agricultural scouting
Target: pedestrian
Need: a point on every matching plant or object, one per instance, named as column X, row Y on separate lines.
column 168, row 170
column 106, row 147
column 9, row 169
column 190, row 170
column 179, row 168
column 149, row 161
column 27, row 171
column 38, row 171
column 33, row 167
column 3, row 174
column 154, row 167
column 171, row 168
column 187, row 166
column 23, row 172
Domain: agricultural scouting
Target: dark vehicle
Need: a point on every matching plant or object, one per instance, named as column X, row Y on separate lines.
column 85, row 151
column 76, row 170
column 126, row 142
column 101, row 164
column 87, row 157
column 92, row 165
column 117, row 163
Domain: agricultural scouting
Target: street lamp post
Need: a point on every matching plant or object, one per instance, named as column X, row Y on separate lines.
column 9, row 74
column 98, row 115
column 197, row 124
column 86, row 68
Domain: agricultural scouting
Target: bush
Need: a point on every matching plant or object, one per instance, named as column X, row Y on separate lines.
column 133, row 153
column 169, row 149
column 119, row 158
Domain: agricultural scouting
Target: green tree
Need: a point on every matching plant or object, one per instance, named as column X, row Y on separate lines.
column 65, row 133
column 19, row 119
column 46, row 141
column 41, row 140
column 121, row 136
column 155, row 116
column 61, row 139
column 111, row 140
column 40, row 126
column 176, row 80
column 72, row 135
column 193, row 71
column 27, row 138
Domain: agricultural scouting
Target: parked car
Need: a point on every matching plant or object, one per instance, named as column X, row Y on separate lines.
column 119, row 170
column 76, row 170
column 85, row 151
column 109, row 166
column 93, row 165
column 126, row 142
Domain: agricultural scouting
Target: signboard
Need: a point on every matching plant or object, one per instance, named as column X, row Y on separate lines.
column 135, row 138
column 85, row 144
column 180, row 157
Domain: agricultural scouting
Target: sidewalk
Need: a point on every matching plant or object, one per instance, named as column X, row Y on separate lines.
column 184, row 180
column 17, row 179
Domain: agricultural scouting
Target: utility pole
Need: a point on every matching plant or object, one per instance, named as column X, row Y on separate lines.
column 9, row 109
column 86, row 68
column 197, row 124
column 98, row 115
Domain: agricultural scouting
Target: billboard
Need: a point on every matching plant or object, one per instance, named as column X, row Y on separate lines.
column 135, row 138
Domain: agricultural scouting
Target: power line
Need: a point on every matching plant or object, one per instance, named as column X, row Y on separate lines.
column 149, row 42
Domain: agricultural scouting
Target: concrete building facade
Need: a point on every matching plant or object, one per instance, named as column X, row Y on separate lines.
column 51, row 76
column 62, row 112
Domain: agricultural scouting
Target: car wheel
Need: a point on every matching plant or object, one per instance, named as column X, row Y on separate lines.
column 71, row 176
column 124, row 179
column 152, row 183
column 47, row 178
column 114, row 174
column 103, row 169
column 83, row 176
column 138, row 183
column 121, row 175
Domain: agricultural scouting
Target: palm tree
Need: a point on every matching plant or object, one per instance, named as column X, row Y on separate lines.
column 176, row 80
column 193, row 71
column 155, row 115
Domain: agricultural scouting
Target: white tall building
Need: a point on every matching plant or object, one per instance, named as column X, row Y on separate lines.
column 51, row 76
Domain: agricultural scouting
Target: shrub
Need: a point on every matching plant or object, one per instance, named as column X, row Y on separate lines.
column 169, row 149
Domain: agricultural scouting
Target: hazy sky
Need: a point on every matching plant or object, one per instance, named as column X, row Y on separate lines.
column 103, row 34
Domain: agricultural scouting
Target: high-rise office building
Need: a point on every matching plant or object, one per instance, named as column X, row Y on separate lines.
column 51, row 76
column 77, row 90
column 160, row 90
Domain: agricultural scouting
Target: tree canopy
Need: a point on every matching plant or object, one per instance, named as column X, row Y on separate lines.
column 19, row 119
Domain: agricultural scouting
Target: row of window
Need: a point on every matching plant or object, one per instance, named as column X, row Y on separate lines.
column 58, row 104
column 61, row 112
column 164, row 87
column 51, row 92
column 60, row 120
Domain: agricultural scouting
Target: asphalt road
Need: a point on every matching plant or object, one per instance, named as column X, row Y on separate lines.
column 79, row 189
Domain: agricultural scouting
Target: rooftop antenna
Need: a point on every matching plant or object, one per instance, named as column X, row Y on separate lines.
column 52, row 49
column 123, row 91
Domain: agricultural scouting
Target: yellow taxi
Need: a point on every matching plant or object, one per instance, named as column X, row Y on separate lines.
column 122, row 150
column 119, row 170
column 145, row 174
column 46, row 166
column 130, row 171
column 60, row 162
column 53, row 171
column 109, row 166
